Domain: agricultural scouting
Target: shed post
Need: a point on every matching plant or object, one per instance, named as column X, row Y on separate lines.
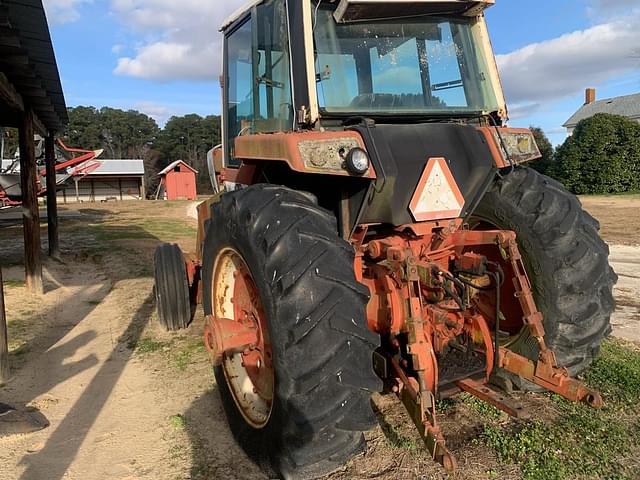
column 30, row 213
column 52, row 198
column 4, row 339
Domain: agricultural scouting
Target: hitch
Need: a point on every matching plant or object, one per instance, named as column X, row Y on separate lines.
column 409, row 287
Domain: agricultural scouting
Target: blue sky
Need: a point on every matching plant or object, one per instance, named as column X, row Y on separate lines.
column 162, row 57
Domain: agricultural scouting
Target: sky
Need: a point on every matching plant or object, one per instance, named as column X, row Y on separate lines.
column 163, row 57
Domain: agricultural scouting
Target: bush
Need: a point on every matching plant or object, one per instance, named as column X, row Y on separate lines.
column 543, row 164
column 602, row 156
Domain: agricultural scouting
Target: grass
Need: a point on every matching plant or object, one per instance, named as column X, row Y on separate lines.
column 183, row 355
column 148, row 345
column 484, row 409
column 180, row 350
column 177, row 421
column 582, row 442
column 13, row 284
column 139, row 230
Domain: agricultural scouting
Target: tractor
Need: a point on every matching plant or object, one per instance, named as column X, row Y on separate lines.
column 374, row 228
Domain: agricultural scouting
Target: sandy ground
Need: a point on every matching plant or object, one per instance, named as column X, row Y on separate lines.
column 129, row 401
column 625, row 260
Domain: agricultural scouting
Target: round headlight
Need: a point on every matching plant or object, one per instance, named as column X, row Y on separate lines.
column 357, row 161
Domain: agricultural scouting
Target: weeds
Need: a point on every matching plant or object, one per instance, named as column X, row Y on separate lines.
column 582, row 442
column 148, row 345
column 484, row 409
column 183, row 355
column 177, row 421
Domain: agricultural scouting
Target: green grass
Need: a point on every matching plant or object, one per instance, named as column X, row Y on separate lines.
column 177, row 421
column 395, row 439
column 484, row 409
column 148, row 345
column 180, row 351
column 144, row 229
column 183, row 354
column 13, row 284
column 582, row 442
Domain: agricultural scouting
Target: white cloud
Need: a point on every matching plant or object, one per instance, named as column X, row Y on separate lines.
column 63, row 11
column 566, row 65
column 160, row 113
column 183, row 41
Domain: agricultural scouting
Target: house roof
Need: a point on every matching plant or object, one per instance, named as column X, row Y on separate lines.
column 28, row 62
column 627, row 106
column 174, row 165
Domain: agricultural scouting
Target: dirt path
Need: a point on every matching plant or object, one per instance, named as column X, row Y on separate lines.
column 116, row 389
column 625, row 260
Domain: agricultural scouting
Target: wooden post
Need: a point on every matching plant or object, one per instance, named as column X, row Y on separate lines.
column 52, row 197
column 30, row 213
column 4, row 338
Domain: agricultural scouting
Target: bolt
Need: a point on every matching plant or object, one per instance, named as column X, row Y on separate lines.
column 395, row 389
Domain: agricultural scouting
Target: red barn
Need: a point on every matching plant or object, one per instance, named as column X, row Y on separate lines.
column 178, row 181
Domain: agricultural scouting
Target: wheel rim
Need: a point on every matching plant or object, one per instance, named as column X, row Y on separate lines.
column 249, row 374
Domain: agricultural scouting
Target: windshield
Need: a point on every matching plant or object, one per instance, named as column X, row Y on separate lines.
column 421, row 65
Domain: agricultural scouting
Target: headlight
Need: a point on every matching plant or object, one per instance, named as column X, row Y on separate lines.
column 357, row 161
column 516, row 144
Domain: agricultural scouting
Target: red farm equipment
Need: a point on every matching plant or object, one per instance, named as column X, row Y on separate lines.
column 81, row 163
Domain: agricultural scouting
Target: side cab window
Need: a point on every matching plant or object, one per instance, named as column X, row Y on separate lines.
column 257, row 83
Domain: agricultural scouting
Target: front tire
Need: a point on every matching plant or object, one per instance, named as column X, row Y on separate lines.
column 321, row 348
column 566, row 260
column 173, row 302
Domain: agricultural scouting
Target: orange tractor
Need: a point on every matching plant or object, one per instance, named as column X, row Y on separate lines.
column 374, row 229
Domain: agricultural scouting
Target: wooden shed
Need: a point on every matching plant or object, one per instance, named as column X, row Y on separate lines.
column 178, row 181
column 31, row 99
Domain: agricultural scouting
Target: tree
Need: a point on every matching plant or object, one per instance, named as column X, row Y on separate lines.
column 602, row 156
column 84, row 128
column 10, row 136
column 121, row 133
column 546, row 149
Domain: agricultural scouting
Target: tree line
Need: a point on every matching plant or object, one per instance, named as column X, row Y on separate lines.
column 132, row 134
column 601, row 157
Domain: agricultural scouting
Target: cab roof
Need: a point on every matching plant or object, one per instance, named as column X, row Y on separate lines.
column 354, row 10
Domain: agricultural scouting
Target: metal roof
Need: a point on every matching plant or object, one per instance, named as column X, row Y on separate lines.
column 28, row 61
column 627, row 106
column 122, row 168
column 173, row 165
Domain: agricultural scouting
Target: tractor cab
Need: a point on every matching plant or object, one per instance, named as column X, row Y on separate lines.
column 302, row 64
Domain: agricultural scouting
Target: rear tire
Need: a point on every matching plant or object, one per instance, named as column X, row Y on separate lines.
column 173, row 302
column 566, row 260
column 315, row 310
